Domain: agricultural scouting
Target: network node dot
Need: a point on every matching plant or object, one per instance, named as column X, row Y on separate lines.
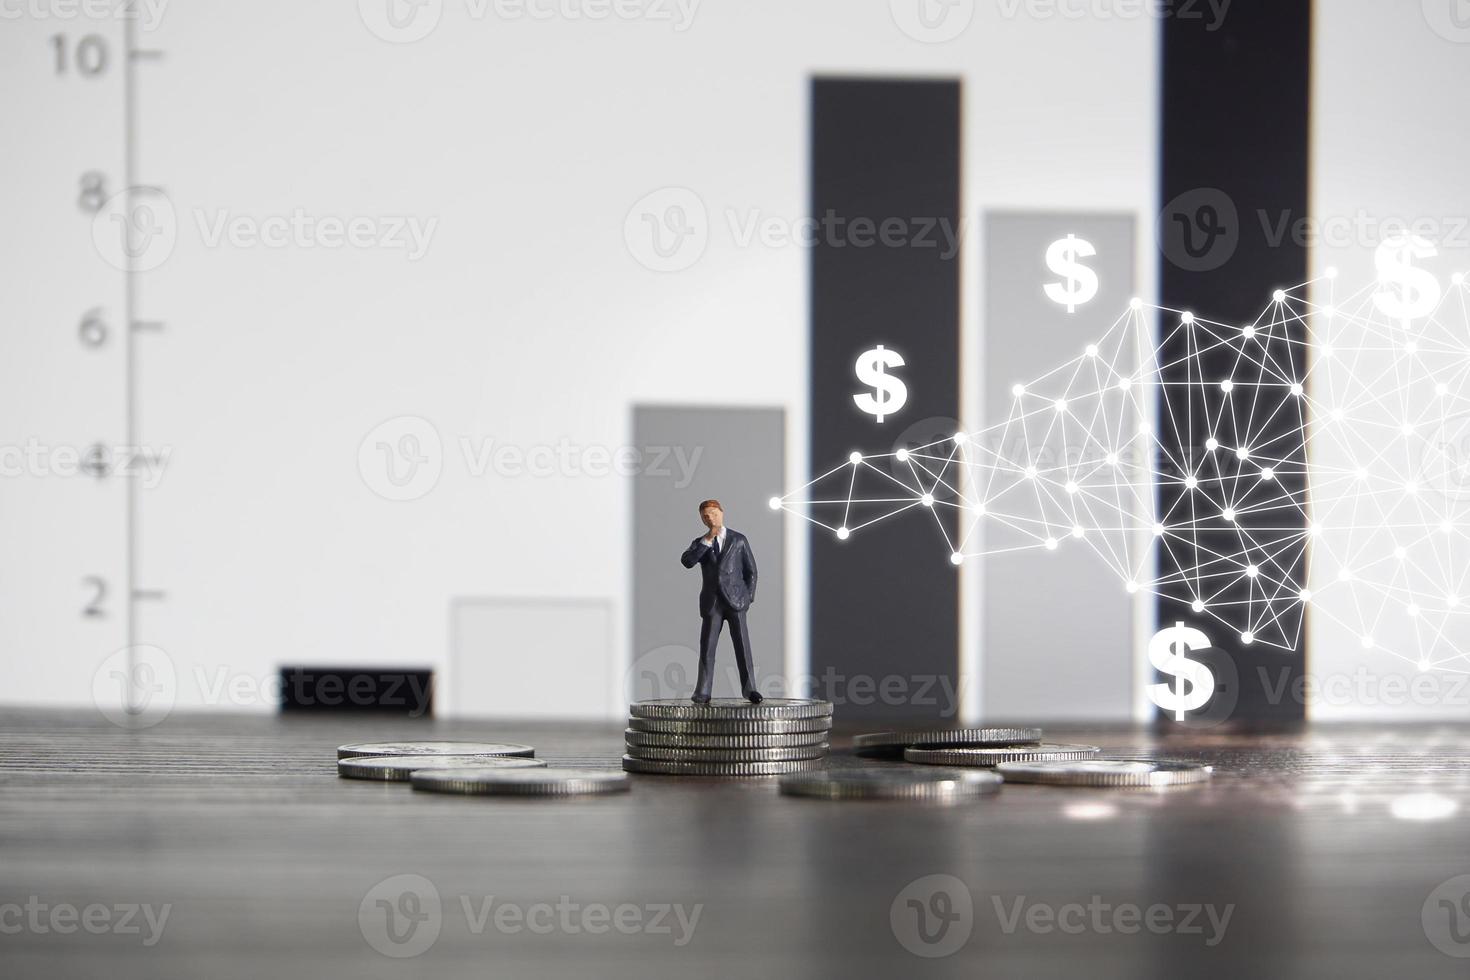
column 1186, row 317
column 927, row 500
column 1446, row 527
column 960, row 438
column 1407, row 428
column 1125, row 383
column 1030, row 472
column 854, row 457
column 1326, row 353
column 1136, row 303
column 1092, row 350
column 1413, row 610
column 1111, row 459
column 1458, row 278
column 1305, row 595
column 1400, row 553
column 1452, row 601
column 1441, row 389
column 1212, row 444
column 1330, row 272
column 1279, row 295
column 1248, row 332
column 774, row 503
column 1247, row 638
column 1229, row 514
column 1367, row 641
column 1051, row 544
column 1425, row 665
column 1131, row 586
column 1158, row 530
column 1018, row 390
column 956, row 559
column 1268, row 474
column 842, row 533
column 1190, row 483
column 1344, row 575
column 1251, row 571
column 1060, row 404
column 1071, row 487
column 1197, row 606
column 1297, row 389
column 902, row 455
column 1243, row 453
column 1077, row 531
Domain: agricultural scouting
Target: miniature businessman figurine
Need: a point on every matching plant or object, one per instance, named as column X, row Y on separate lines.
column 728, row 566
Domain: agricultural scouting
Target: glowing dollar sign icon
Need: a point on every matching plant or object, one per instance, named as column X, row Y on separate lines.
column 1081, row 282
column 1421, row 291
column 1166, row 651
column 889, row 393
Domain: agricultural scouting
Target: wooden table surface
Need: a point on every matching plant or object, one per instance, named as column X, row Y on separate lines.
column 1327, row 843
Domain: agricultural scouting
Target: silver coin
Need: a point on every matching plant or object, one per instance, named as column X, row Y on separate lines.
column 667, row 768
column 975, row 755
column 521, row 782
column 893, row 783
column 396, row 768
column 1106, row 772
column 673, row 740
column 732, row 726
column 892, row 744
column 683, row 708
column 656, row 752
column 359, row 749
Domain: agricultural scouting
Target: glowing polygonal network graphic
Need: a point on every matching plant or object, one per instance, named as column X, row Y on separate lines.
column 1315, row 456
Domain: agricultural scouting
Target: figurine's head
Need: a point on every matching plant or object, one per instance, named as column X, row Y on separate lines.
column 712, row 514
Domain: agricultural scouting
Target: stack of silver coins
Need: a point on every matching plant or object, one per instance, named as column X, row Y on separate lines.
column 727, row 737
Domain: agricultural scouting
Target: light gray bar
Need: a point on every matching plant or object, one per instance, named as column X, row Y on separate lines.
column 737, row 456
column 1057, row 626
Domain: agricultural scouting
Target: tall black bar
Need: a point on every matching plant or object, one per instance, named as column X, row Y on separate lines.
column 1235, row 147
column 884, row 604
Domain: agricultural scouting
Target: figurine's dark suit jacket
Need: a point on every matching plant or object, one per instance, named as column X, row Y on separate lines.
column 728, row 590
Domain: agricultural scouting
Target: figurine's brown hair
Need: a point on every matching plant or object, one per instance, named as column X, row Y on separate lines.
column 708, row 503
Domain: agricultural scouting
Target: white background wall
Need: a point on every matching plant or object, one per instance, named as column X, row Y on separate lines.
column 527, row 322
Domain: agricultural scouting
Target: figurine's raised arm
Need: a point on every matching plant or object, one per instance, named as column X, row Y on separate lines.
column 693, row 553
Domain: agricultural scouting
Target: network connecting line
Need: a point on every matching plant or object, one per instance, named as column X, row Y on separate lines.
column 1316, row 457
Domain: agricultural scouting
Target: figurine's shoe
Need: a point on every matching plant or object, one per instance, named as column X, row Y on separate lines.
column 755, row 697
column 700, row 699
